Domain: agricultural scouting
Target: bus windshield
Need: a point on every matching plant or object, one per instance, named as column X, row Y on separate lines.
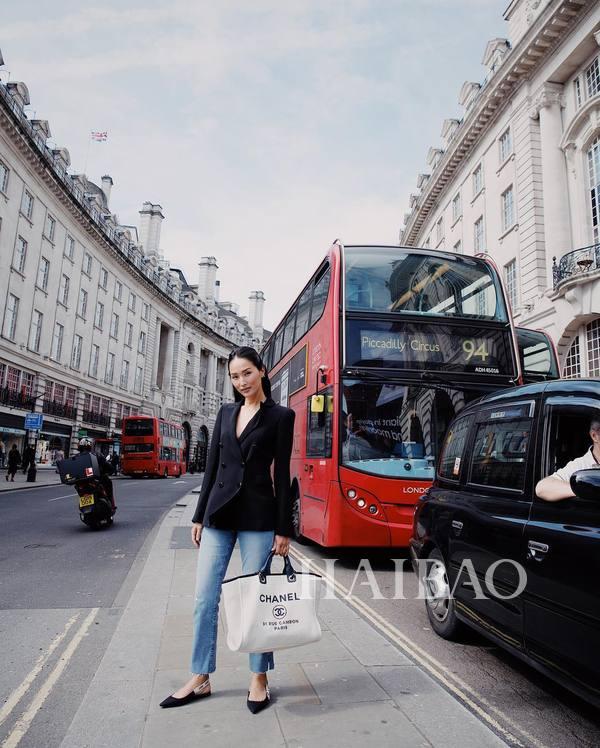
column 406, row 281
column 139, row 427
column 396, row 430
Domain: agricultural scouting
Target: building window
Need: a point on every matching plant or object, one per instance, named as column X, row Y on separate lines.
column 63, row 292
column 477, row 180
column 505, row 144
column 114, row 326
column 592, row 79
column 83, row 301
column 142, row 343
column 458, row 247
column 578, row 96
column 20, row 254
column 125, row 375
column 87, row 263
column 35, row 333
column 145, row 311
column 94, row 360
column 508, row 209
column 129, row 334
column 43, row 272
column 99, row 318
column 70, row 247
column 593, row 348
column 478, row 235
column 57, row 342
column 27, row 204
column 50, row 227
column 137, row 384
column 3, row 177
column 103, row 278
column 510, row 279
column 118, row 290
column 439, row 230
column 456, row 207
column 10, row 317
column 110, row 368
column 594, row 176
column 76, row 352
column 132, row 302
column 572, row 367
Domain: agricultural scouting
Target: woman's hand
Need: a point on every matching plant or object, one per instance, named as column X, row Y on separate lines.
column 281, row 545
column 196, row 533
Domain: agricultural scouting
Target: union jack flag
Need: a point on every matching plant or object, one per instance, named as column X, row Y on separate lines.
column 96, row 135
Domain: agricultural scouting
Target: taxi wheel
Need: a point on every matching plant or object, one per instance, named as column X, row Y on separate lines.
column 439, row 603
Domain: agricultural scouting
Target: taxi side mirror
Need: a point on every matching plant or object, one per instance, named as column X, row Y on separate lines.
column 585, row 484
column 317, row 404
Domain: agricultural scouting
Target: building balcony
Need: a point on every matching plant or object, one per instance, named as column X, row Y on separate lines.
column 16, row 399
column 576, row 266
column 58, row 409
column 90, row 416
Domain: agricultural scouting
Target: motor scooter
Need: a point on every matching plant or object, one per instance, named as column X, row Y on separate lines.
column 95, row 507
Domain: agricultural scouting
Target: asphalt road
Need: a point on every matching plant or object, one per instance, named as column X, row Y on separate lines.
column 535, row 710
column 62, row 590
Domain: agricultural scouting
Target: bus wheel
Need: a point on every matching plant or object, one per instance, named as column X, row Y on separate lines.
column 166, row 473
column 296, row 517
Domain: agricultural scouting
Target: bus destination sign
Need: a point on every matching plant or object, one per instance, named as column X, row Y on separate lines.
column 443, row 347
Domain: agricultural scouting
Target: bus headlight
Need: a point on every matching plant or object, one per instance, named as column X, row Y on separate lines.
column 372, row 509
column 351, row 493
column 361, row 503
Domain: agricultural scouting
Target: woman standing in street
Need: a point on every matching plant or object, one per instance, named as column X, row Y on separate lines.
column 14, row 460
column 239, row 501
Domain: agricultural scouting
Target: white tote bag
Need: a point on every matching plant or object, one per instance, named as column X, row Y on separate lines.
column 266, row 612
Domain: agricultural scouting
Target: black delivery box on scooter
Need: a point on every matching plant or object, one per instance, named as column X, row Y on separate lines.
column 79, row 467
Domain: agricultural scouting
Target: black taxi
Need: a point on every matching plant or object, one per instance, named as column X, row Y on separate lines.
column 491, row 554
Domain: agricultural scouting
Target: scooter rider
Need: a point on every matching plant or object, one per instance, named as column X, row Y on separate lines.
column 85, row 445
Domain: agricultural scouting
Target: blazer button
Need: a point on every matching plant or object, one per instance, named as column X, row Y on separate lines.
column 243, row 464
column 221, row 445
column 223, row 465
column 221, row 484
column 239, row 485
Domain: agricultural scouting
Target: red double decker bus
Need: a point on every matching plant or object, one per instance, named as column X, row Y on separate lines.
column 152, row 446
column 382, row 348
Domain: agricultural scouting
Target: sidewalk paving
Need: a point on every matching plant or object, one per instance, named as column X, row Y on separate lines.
column 353, row 687
column 45, row 476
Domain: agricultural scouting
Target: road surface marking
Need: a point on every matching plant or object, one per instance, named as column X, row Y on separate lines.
column 24, row 722
column 66, row 496
column 179, row 481
column 459, row 688
column 21, row 690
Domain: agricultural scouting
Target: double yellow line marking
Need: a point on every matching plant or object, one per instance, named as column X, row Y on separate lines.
column 477, row 704
column 24, row 722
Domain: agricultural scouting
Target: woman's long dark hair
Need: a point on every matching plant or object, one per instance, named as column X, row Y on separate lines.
column 252, row 355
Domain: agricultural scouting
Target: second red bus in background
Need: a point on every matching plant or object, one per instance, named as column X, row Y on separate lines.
column 152, row 446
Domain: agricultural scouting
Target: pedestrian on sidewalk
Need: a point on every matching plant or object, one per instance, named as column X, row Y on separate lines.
column 2, row 454
column 28, row 457
column 239, row 501
column 14, row 460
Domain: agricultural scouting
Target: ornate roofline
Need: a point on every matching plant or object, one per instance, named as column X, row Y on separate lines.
column 518, row 67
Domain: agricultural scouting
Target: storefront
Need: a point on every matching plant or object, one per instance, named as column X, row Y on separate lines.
column 12, row 432
column 53, row 438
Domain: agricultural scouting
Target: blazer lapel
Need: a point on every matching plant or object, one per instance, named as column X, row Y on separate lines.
column 232, row 426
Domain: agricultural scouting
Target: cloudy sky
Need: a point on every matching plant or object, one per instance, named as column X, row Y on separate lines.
column 265, row 128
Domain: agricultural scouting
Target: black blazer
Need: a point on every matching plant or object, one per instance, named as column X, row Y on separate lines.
column 244, row 467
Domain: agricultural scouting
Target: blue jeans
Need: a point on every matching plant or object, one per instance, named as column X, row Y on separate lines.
column 215, row 551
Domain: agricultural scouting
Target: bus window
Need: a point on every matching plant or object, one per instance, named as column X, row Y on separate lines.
column 320, row 295
column 319, row 432
column 303, row 313
column 288, row 335
column 277, row 346
column 139, row 427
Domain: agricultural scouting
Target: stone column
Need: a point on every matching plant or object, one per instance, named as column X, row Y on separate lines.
column 557, row 224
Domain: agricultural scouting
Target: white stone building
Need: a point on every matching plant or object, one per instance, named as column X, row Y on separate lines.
column 95, row 322
column 518, row 174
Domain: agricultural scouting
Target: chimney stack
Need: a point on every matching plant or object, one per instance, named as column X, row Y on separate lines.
column 107, row 184
column 151, row 218
column 255, row 316
column 207, row 279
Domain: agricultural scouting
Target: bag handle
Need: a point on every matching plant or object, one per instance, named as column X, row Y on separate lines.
column 265, row 569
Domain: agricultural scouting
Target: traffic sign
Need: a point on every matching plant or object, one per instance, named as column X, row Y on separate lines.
column 34, row 421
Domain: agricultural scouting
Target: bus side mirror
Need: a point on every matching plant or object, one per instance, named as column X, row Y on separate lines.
column 585, row 484
column 317, row 404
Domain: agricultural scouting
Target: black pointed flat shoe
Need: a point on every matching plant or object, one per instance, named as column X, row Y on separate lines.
column 198, row 693
column 257, row 706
